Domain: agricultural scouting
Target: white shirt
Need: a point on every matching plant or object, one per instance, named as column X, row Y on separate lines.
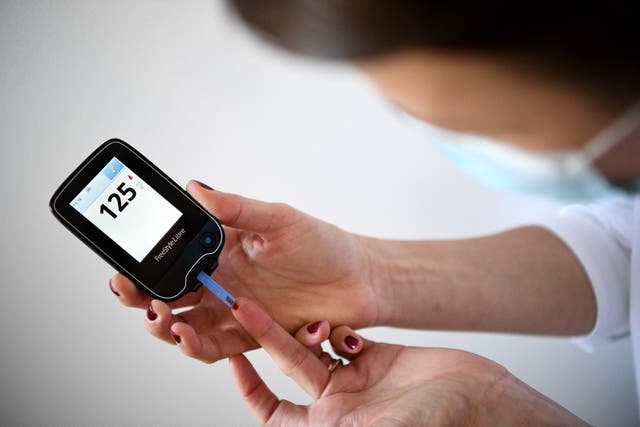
column 605, row 237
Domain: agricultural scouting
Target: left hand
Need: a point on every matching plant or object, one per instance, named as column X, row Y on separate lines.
column 275, row 254
column 384, row 384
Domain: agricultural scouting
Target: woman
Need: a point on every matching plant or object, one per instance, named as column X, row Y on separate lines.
column 556, row 92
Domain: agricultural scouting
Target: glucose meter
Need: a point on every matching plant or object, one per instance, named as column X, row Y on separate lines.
column 141, row 222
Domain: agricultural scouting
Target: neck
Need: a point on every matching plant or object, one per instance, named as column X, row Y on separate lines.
column 621, row 164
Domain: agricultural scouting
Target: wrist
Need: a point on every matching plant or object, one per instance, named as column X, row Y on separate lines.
column 509, row 401
column 422, row 284
column 410, row 283
column 375, row 278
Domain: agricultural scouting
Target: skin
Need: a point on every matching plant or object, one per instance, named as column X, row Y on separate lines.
column 277, row 255
column 384, row 384
column 383, row 282
column 301, row 269
column 505, row 99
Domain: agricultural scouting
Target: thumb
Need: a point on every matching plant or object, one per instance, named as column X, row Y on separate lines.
column 234, row 210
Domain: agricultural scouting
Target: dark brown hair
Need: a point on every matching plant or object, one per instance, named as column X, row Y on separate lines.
column 592, row 43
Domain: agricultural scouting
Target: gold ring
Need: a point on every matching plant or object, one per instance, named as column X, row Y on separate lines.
column 334, row 364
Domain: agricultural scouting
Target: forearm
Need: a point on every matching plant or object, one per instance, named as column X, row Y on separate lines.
column 524, row 280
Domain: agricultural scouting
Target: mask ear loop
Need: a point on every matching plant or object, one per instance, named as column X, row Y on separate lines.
column 613, row 134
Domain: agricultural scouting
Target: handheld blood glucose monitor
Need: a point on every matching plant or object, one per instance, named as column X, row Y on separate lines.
column 141, row 222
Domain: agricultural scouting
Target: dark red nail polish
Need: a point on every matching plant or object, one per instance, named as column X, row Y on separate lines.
column 151, row 315
column 313, row 328
column 112, row 290
column 176, row 338
column 234, row 305
column 203, row 185
column 351, row 342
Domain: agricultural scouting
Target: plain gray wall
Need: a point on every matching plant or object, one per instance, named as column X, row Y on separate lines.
column 204, row 99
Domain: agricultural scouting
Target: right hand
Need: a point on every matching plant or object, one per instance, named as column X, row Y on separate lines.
column 385, row 384
column 298, row 267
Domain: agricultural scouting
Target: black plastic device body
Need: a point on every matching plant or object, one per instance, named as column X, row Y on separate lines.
column 169, row 269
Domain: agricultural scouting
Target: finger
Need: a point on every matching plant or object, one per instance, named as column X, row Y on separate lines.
column 205, row 318
column 294, row 359
column 313, row 334
column 132, row 296
column 346, row 342
column 128, row 294
column 158, row 318
column 260, row 400
column 237, row 211
column 265, row 405
column 325, row 358
column 210, row 347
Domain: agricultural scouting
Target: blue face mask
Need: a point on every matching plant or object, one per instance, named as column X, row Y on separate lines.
column 567, row 175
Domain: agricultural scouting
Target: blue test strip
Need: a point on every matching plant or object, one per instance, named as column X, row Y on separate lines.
column 217, row 290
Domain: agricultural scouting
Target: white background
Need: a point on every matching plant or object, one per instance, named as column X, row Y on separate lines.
column 204, row 99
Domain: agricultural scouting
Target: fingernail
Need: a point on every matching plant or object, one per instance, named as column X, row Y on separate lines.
column 151, row 315
column 112, row 290
column 176, row 338
column 234, row 305
column 313, row 328
column 203, row 185
column 351, row 342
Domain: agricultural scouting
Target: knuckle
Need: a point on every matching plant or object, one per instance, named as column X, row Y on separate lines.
column 296, row 360
column 237, row 214
column 207, row 359
column 281, row 207
column 196, row 354
column 265, row 330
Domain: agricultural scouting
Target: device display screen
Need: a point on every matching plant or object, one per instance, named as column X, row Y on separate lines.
column 119, row 203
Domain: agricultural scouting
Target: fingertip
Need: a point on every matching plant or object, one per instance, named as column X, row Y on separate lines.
column 323, row 332
column 237, row 360
column 116, row 293
column 239, row 309
column 152, row 315
column 313, row 328
column 116, row 284
column 191, row 344
column 185, row 337
column 241, row 306
column 157, row 309
column 239, row 368
column 177, row 339
column 193, row 186
column 161, row 306
column 313, row 333
column 345, row 341
column 214, row 201
column 352, row 343
column 253, row 318
column 242, row 371
column 128, row 294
